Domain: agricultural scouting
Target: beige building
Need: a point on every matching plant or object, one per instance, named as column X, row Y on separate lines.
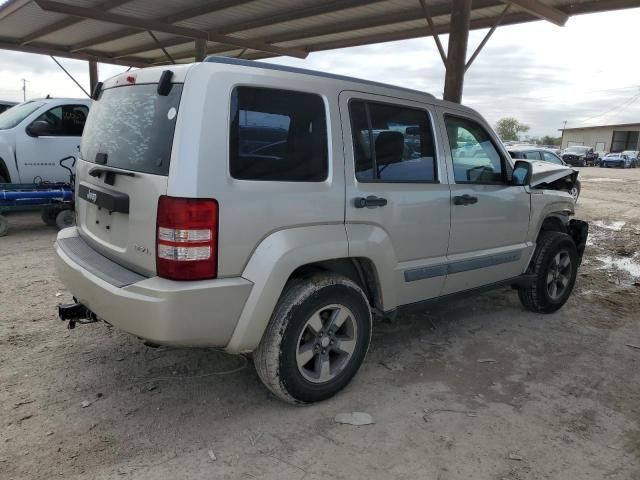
column 605, row 138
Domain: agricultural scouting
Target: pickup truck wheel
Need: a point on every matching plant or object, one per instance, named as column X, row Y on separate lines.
column 316, row 340
column 555, row 266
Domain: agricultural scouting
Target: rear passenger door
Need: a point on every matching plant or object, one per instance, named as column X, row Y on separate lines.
column 394, row 190
column 489, row 215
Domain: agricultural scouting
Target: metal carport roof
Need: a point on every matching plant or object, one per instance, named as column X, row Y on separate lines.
column 140, row 33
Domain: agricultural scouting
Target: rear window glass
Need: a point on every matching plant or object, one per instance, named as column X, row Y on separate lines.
column 134, row 127
column 278, row 135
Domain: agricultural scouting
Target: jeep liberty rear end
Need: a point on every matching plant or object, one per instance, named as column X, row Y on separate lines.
column 259, row 208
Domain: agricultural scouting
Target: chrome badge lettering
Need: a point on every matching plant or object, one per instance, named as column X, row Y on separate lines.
column 92, row 196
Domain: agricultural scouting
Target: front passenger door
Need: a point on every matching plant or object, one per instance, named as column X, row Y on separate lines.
column 39, row 157
column 489, row 215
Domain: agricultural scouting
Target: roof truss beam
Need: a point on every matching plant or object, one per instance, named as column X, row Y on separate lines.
column 67, row 22
column 143, row 25
column 347, row 26
column 51, row 50
column 175, row 18
column 542, row 11
column 280, row 17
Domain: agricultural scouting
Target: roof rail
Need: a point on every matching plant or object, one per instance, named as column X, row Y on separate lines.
column 304, row 71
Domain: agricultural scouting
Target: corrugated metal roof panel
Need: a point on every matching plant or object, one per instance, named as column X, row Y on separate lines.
column 314, row 24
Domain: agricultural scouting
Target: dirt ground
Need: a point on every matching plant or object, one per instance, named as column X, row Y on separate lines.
column 476, row 388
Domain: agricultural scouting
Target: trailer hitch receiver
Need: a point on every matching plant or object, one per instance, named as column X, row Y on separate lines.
column 76, row 313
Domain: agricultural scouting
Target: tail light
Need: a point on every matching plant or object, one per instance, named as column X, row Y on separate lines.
column 187, row 238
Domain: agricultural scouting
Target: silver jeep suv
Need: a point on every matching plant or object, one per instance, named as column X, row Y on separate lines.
column 266, row 209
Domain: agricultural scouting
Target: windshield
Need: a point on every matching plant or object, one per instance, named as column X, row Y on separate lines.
column 133, row 126
column 12, row 117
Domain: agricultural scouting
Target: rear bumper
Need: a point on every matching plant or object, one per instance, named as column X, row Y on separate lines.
column 202, row 313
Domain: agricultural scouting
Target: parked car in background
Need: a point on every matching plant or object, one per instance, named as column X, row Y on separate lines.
column 36, row 135
column 619, row 160
column 579, row 156
column 634, row 155
column 546, row 155
column 6, row 105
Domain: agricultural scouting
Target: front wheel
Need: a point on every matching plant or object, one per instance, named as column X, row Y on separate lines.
column 555, row 266
column 575, row 193
column 316, row 340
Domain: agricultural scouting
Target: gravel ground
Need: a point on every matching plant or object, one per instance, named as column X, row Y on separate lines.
column 476, row 388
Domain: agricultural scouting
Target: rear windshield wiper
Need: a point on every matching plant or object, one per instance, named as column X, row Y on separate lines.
column 110, row 173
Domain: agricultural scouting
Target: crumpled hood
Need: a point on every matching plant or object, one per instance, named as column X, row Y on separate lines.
column 547, row 172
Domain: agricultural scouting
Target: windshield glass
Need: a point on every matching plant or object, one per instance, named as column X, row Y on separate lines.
column 133, row 126
column 577, row 149
column 12, row 117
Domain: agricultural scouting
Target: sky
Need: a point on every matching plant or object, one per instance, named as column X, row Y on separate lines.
column 586, row 73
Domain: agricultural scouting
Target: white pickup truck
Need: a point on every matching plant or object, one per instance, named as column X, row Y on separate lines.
column 36, row 135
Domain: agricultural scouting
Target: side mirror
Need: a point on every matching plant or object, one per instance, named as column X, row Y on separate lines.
column 522, row 173
column 38, row 128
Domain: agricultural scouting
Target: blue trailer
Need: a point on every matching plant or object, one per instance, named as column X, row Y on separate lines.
column 55, row 201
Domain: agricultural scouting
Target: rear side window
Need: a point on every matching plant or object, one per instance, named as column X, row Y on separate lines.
column 133, row 126
column 278, row 135
column 391, row 143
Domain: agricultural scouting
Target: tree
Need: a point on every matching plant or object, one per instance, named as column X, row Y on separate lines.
column 508, row 128
column 549, row 140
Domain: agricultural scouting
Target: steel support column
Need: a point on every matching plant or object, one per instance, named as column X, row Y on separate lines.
column 457, row 52
column 201, row 49
column 93, row 75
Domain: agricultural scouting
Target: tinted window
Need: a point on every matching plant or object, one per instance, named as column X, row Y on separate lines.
column 65, row 120
column 278, row 135
column 402, row 143
column 134, row 127
column 475, row 157
column 550, row 157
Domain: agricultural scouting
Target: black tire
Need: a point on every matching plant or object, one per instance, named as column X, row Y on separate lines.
column 537, row 296
column 65, row 218
column 48, row 216
column 276, row 359
column 4, row 226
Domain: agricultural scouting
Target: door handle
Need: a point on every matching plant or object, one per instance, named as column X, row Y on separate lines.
column 464, row 200
column 370, row 202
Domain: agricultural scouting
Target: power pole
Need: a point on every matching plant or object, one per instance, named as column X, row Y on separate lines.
column 24, row 90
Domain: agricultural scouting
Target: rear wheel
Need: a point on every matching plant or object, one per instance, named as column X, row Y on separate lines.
column 555, row 266
column 316, row 340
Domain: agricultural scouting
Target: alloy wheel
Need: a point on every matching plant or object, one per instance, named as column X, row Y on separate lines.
column 559, row 275
column 327, row 343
